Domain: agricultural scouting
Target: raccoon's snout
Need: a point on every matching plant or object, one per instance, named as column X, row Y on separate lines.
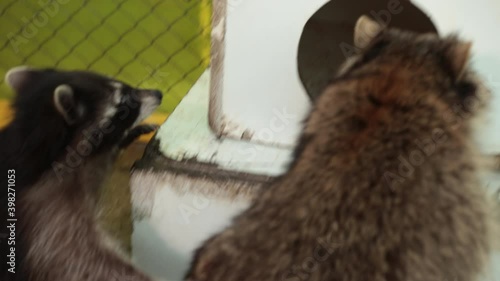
column 150, row 96
column 158, row 94
column 150, row 100
column 143, row 93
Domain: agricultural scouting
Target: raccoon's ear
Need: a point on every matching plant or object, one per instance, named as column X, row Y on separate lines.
column 458, row 56
column 19, row 77
column 365, row 30
column 65, row 103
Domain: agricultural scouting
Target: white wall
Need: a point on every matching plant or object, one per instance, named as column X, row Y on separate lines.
column 261, row 81
column 261, row 75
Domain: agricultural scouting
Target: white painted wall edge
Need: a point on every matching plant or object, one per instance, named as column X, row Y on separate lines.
column 186, row 135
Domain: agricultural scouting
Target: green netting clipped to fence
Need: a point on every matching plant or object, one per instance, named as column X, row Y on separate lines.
column 147, row 43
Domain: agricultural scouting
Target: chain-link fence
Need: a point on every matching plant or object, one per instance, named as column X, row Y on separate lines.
column 147, row 43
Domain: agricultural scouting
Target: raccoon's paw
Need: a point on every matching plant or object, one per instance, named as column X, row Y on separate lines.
column 136, row 132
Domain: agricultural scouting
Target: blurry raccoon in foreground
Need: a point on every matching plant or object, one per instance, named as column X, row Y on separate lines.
column 67, row 130
column 384, row 185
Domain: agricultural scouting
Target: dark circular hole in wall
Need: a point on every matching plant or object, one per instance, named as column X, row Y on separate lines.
column 331, row 29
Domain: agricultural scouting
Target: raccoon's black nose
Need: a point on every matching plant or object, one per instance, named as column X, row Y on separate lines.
column 157, row 94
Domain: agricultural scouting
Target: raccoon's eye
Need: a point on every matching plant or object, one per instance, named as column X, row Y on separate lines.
column 130, row 98
column 127, row 95
column 123, row 99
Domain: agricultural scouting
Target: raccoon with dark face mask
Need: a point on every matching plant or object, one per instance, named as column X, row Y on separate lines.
column 384, row 185
column 66, row 133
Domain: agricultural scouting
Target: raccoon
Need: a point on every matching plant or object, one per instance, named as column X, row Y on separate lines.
column 384, row 184
column 68, row 128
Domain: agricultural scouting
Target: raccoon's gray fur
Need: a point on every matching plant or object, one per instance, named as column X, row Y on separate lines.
column 385, row 184
column 63, row 238
column 80, row 121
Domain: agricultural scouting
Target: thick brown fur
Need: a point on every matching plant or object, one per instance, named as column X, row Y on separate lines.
column 384, row 186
